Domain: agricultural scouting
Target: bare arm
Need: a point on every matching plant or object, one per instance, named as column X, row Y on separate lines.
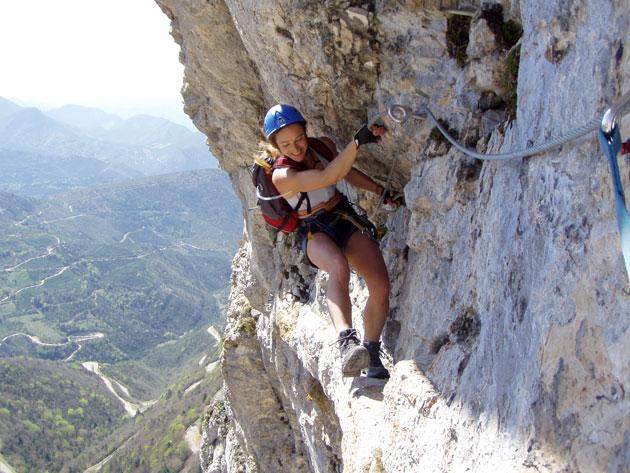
column 289, row 181
column 363, row 181
column 355, row 177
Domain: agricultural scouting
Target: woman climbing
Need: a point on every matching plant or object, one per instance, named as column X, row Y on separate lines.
column 334, row 237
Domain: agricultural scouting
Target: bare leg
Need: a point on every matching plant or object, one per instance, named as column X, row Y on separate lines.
column 327, row 256
column 366, row 258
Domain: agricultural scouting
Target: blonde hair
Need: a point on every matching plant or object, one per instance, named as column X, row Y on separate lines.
column 269, row 148
column 266, row 155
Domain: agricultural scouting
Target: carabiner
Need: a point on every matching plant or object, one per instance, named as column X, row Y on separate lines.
column 610, row 143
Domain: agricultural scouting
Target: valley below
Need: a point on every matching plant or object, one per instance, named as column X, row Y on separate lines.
column 111, row 303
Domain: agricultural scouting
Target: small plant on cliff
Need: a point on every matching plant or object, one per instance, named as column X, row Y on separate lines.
column 512, row 62
column 457, row 34
column 506, row 33
column 247, row 326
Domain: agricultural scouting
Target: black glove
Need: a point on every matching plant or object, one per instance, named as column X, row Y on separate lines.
column 365, row 135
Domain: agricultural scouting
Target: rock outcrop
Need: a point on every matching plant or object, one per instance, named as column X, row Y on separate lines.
column 508, row 334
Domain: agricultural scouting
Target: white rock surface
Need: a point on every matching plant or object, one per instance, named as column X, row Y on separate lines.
column 509, row 324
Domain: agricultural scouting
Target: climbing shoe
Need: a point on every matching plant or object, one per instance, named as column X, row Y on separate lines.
column 376, row 368
column 354, row 356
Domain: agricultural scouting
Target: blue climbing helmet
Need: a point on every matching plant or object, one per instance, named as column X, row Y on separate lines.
column 279, row 116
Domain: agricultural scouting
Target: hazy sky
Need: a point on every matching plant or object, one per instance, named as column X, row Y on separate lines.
column 112, row 54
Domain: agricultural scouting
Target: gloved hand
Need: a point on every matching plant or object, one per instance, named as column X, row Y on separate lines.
column 369, row 135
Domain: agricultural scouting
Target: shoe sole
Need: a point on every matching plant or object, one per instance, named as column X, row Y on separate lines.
column 358, row 360
column 378, row 373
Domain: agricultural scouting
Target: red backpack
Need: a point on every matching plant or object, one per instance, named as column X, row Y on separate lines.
column 275, row 209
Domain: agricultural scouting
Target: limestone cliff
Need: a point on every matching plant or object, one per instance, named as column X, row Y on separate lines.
column 508, row 335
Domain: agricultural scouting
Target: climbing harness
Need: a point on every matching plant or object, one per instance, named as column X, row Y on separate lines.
column 610, row 142
column 360, row 221
column 345, row 211
column 609, row 138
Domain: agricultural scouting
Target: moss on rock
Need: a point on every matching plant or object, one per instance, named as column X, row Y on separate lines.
column 316, row 394
column 247, row 326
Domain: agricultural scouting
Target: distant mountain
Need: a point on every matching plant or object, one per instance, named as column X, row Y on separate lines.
column 7, row 107
column 118, row 268
column 43, row 175
column 140, row 130
column 41, row 156
column 28, row 128
column 148, row 145
column 84, row 118
column 145, row 130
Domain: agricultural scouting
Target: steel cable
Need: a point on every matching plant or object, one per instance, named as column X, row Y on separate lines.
column 399, row 114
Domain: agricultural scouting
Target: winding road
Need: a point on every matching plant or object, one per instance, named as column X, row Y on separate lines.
column 39, row 284
column 93, row 367
column 72, row 217
column 50, row 250
column 132, row 408
column 5, row 467
column 71, row 339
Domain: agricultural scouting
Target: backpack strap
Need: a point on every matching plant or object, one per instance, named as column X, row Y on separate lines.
column 284, row 162
column 304, row 195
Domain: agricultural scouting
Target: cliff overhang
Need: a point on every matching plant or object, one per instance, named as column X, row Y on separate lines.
column 508, row 327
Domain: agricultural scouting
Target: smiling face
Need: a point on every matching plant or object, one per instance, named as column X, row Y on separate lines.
column 292, row 141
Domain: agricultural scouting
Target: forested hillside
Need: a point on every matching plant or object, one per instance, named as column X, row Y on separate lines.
column 50, row 413
column 125, row 281
column 166, row 437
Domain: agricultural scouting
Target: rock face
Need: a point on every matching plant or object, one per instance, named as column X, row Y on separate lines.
column 508, row 334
